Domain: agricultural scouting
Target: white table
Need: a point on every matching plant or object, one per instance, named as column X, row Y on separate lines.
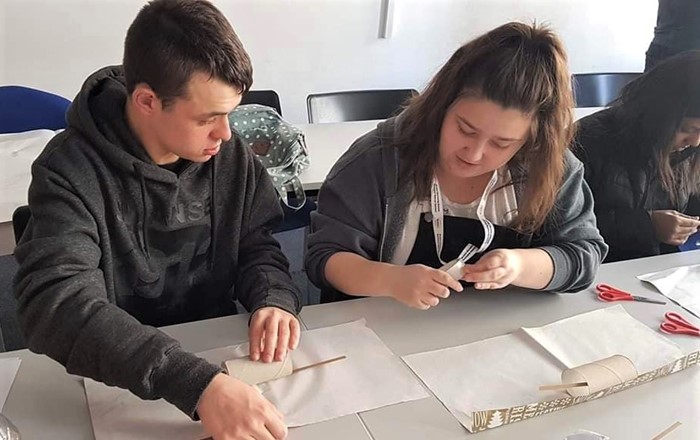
column 45, row 402
column 327, row 142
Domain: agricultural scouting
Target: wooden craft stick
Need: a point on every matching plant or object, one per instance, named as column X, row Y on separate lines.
column 563, row 386
column 318, row 364
column 667, row 431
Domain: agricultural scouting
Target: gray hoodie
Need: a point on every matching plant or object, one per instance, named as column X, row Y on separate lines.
column 118, row 244
column 363, row 203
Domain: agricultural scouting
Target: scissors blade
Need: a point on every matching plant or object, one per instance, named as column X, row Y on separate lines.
column 647, row 300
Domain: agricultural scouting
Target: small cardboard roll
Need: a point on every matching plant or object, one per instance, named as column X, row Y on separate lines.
column 599, row 375
column 255, row 372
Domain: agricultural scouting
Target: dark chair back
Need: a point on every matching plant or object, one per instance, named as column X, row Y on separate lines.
column 20, row 219
column 360, row 105
column 599, row 89
column 263, row 97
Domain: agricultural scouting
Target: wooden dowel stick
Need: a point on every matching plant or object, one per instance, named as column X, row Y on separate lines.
column 563, row 386
column 667, row 431
column 318, row 364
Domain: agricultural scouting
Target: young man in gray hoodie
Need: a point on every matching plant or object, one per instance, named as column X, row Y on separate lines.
column 146, row 212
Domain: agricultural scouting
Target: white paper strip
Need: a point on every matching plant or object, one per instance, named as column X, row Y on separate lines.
column 681, row 284
column 371, row 377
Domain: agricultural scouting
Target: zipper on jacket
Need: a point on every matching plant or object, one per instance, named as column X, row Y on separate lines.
column 386, row 221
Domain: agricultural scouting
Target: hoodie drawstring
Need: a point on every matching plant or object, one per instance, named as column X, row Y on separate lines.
column 212, row 213
column 144, row 219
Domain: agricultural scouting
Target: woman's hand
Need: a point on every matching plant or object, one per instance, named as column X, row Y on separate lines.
column 672, row 227
column 420, row 286
column 495, row 270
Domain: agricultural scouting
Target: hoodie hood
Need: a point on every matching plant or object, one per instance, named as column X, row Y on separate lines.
column 98, row 113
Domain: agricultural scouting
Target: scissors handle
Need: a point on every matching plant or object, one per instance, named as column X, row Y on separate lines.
column 610, row 296
column 670, row 327
column 679, row 321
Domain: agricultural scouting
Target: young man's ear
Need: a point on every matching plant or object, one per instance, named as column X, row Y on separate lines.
column 145, row 99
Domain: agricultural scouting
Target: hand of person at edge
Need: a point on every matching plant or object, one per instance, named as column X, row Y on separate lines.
column 233, row 410
column 273, row 332
column 420, row 286
column 494, row 270
column 672, row 227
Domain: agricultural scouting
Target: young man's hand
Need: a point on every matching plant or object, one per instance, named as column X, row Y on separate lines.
column 272, row 332
column 231, row 410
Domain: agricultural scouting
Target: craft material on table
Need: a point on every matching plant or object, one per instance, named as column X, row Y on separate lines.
column 255, row 372
column 8, row 372
column 679, row 284
column 608, row 293
column 370, row 376
column 583, row 434
column 599, row 375
column 494, row 382
column 674, row 323
column 667, row 431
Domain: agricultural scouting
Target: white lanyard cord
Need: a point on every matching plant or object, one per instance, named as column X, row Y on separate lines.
column 438, row 214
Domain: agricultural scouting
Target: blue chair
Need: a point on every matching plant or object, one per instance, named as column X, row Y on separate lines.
column 24, row 109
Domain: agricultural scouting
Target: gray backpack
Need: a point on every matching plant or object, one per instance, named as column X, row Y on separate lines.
column 279, row 145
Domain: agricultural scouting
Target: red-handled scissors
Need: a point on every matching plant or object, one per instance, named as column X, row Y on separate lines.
column 608, row 293
column 678, row 325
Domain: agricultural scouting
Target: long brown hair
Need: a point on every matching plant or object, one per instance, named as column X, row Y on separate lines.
column 650, row 111
column 516, row 66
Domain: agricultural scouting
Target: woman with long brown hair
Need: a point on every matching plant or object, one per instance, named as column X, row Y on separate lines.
column 642, row 162
column 482, row 152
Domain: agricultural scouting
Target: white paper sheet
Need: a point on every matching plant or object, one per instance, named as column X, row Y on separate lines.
column 602, row 333
column 8, row 372
column 681, row 284
column 494, row 373
column 506, row 371
column 370, row 377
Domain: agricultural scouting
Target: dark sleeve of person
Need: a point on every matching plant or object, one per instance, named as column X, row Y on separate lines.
column 627, row 230
column 350, row 211
column 263, row 270
column 693, row 205
column 64, row 311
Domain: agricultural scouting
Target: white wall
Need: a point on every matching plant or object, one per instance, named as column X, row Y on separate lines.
column 305, row 46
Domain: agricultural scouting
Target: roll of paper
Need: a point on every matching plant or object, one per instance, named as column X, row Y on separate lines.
column 599, row 375
column 256, row 372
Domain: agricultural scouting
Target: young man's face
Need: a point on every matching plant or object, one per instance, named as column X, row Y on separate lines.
column 194, row 126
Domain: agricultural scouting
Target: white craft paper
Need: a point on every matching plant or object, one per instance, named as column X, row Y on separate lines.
column 602, row 333
column 506, row 371
column 499, row 372
column 681, row 284
column 371, row 377
column 8, row 372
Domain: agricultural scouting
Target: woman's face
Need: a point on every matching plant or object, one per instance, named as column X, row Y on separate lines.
column 688, row 135
column 479, row 136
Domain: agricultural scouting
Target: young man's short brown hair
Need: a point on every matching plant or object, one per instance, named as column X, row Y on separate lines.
column 170, row 40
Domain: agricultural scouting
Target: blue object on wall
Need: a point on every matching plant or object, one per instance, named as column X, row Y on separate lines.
column 692, row 243
column 24, row 109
